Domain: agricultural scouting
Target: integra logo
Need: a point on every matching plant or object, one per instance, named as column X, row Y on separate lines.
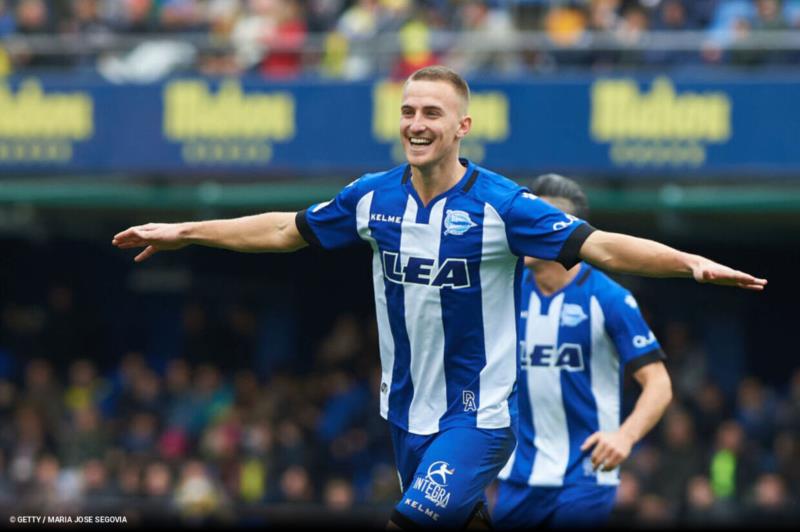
column 452, row 273
column 567, row 356
column 434, row 485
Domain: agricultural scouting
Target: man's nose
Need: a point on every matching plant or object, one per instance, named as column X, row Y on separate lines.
column 417, row 124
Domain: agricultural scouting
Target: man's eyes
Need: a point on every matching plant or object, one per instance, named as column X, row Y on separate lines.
column 433, row 113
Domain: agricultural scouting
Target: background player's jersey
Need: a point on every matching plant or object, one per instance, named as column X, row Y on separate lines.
column 575, row 345
column 446, row 287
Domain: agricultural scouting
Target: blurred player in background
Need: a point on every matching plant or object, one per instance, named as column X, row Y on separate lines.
column 580, row 331
column 447, row 237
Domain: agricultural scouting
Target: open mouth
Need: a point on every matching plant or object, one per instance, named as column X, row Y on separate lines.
column 419, row 141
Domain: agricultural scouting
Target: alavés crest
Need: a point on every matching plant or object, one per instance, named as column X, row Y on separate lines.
column 457, row 222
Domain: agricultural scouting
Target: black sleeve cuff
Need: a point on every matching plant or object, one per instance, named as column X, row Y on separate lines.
column 656, row 355
column 569, row 251
column 305, row 230
column 404, row 522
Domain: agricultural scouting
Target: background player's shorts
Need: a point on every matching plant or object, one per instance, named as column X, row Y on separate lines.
column 443, row 476
column 521, row 506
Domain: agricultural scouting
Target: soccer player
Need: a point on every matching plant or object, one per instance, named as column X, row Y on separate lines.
column 447, row 237
column 580, row 330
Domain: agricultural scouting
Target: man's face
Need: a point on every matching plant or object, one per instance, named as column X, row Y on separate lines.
column 433, row 121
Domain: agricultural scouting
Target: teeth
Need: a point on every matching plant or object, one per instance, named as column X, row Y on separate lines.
column 419, row 141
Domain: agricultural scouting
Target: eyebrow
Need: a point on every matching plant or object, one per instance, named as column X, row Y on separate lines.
column 424, row 107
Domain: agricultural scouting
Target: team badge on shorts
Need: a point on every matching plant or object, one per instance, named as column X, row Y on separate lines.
column 457, row 223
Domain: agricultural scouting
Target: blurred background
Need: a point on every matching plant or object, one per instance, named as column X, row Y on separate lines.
column 212, row 387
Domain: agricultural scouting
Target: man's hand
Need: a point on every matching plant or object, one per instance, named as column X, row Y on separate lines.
column 610, row 449
column 152, row 237
column 708, row 271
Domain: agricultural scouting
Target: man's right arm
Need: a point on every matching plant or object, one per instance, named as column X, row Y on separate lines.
column 268, row 232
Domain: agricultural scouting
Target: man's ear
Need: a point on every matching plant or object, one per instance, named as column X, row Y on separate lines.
column 464, row 127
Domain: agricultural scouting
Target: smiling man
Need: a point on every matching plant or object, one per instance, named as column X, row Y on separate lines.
column 447, row 239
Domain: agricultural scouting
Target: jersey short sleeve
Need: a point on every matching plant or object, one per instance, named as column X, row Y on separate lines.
column 635, row 342
column 537, row 229
column 331, row 224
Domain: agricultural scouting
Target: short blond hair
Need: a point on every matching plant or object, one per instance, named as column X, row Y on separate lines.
column 442, row 73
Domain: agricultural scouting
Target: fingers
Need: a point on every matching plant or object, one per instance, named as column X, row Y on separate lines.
column 148, row 252
column 607, row 454
column 729, row 277
column 606, row 457
column 612, row 461
column 600, row 454
column 135, row 233
column 129, row 237
column 590, row 441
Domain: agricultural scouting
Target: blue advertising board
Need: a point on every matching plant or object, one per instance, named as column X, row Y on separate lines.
column 620, row 126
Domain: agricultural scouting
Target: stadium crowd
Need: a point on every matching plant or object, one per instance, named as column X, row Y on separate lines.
column 212, row 433
column 355, row 39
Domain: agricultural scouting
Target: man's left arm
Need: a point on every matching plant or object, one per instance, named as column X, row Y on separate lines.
column 612, row 448
column 621, row 253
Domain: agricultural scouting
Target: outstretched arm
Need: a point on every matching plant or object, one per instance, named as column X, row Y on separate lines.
column 628, row 254
column 612, row 448
column 272, row 231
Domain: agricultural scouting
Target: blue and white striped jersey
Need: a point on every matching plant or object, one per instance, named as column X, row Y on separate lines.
column 446, row 282
column 575, row 346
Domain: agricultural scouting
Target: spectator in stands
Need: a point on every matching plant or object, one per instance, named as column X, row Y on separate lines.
column 709, row 410
column 32, row 18
column 96, row 485
column 769, row 502
column 43, row 393
column 702, row 508
column 488, row 30
column 415, row 48
column 7, row 21
column 755, row 411
column 129, row 480
column 85, row 438
column 29, row 441
column 687, row 359
column 789, row 412
column 680, row 457
column 770, row 16
column 284, row 43
column 8, row 400
column 86, row 389
column 295, row 485
column 653, row 511
column 630, row 34
column 138, row 17
column 338, row 495
column 672, row 15
column 732, row 463
column 87, row 25
column 786, row 452
column 628, row 496
column 198, row 496
column 182, row 16
column 211, row 397
column 140, row 435
column 358, row 25
column 46, row 492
